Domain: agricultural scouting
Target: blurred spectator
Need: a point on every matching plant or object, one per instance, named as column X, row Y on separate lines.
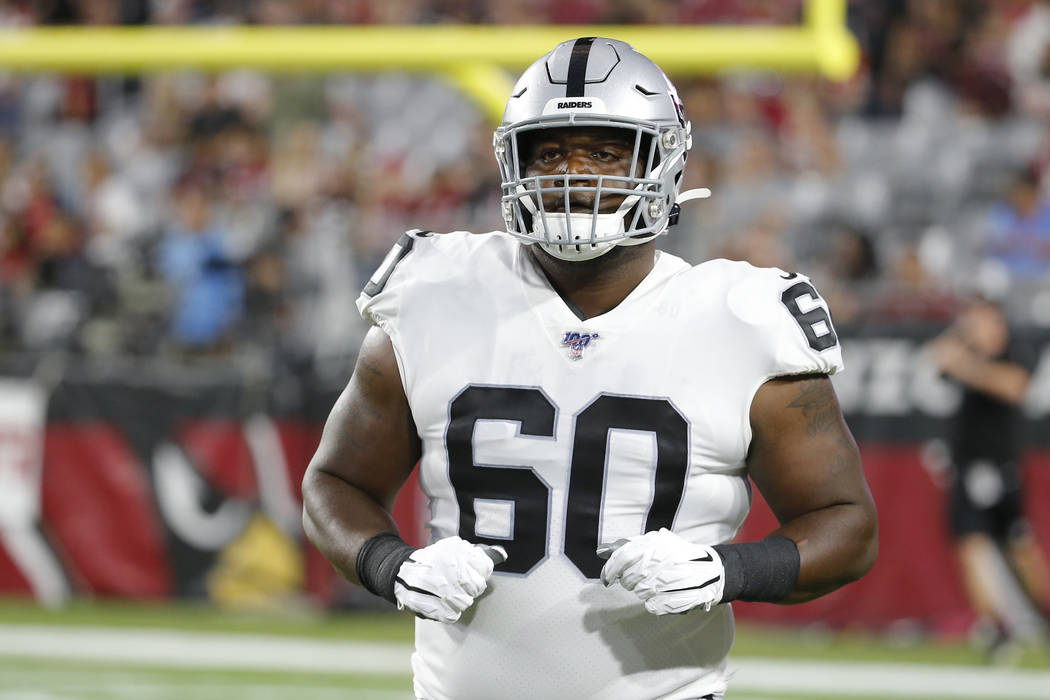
column 113, row 214
column 760, row 244
column 1018, row 229
column 61, row 263
column 1028, row 59
column 208, row 288
column 848, row 275
column 911, row 293
column 266, row 303
column 896, row 63
column 806, row 137
column 67, row 288
column 740, row 11
column 981, row 76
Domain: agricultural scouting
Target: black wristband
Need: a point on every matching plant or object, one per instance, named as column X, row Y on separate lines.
column 378, row 562
column 765, row 571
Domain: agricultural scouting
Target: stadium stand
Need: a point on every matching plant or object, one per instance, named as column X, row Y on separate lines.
column 264, row 179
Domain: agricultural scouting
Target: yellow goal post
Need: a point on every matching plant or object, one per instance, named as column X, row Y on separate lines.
column 476, row 58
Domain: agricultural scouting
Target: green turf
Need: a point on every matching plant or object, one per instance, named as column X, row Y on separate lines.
column 373, row 626
column 62, row 679
column 774, row 642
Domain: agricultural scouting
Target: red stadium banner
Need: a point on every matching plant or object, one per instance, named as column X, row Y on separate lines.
column 916, row 579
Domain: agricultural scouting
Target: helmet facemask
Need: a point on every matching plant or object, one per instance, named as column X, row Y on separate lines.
column 579, row 231
column 594, row 82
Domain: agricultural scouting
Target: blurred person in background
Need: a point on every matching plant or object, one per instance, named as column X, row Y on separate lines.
column 1017, row 233
column 1028, row 59
column 850, row 273
column 910, row 291
column 759, row 243
column 208, row 288
column 993, row 366
column 70, row 288
column 586, row 412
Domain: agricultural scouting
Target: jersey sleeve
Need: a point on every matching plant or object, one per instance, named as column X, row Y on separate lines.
column 792, row 322
column 380, row 301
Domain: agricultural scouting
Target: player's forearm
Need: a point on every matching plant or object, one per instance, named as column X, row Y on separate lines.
column 339, row 518
column 837, row 545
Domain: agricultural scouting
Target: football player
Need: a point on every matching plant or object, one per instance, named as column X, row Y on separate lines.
column 586, row 412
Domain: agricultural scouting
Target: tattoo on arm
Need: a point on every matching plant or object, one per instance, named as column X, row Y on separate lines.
column 369, row 373
column 817, row 402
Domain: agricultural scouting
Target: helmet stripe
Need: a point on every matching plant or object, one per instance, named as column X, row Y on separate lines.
column 577, row 76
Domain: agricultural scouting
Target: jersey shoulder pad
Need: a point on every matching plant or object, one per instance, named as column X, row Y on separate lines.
column 792, row 320
column 417, row 263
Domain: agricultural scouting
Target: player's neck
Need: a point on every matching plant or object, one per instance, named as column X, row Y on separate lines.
column 596, row 286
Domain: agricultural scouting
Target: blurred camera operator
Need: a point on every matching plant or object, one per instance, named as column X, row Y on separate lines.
column 994, row 367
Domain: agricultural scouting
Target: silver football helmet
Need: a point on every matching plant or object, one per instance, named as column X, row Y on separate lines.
column 595, row 82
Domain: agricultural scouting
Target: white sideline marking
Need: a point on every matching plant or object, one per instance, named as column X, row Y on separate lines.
column 62, row 685
column 190, row 649
column 208, row 650
column 886, row 680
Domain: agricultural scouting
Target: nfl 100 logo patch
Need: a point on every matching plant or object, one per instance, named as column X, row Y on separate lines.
column 576, row 342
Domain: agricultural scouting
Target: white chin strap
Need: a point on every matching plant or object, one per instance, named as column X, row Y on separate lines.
column 570, row 235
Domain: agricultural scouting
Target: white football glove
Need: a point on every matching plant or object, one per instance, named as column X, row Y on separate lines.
column 668, row 572
column 439, row 582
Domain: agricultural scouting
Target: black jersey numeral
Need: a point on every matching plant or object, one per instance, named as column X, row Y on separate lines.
column 587, row 473
column 815, row 323
column 530, row 496
column 386, row 268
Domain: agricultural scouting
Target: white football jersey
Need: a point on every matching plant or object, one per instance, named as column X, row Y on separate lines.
column 548, row 435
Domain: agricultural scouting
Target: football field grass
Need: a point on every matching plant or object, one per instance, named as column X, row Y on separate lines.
column 130, row 651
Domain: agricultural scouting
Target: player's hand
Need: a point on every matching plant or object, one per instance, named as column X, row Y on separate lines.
column 669, row 573
column 439, row 582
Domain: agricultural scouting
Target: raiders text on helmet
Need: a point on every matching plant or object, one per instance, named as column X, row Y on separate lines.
column 595, row 82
